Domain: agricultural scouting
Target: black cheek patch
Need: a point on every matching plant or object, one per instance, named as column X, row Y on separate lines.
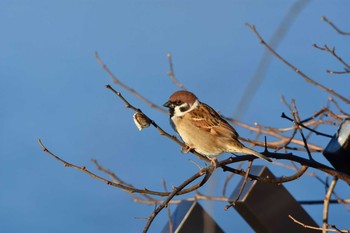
column 171, row 111
column 184, row 108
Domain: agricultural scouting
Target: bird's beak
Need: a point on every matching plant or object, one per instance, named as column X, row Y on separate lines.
column 168, row 104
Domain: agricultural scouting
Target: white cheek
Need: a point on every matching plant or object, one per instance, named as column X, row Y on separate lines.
column 179, row 113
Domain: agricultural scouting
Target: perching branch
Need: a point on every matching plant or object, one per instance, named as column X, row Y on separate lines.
column 161, row 131
column 286, row 143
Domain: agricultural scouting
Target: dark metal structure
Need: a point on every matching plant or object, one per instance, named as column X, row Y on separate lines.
column 190, row 217
column 337, row 151
column 266, row 206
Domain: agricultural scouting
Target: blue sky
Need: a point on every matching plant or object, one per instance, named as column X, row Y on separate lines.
column 52, row 87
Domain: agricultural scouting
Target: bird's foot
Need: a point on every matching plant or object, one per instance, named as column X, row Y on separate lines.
column 214, row 162
column 186, row 149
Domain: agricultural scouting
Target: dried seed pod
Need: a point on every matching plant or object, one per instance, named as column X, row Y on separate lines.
column 141, row 121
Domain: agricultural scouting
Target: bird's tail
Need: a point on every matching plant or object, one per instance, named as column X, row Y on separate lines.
column 248, row 151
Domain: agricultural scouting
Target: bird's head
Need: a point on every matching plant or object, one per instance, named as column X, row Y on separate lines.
column 181, row 102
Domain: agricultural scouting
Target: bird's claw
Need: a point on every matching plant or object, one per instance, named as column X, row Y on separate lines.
column 214, row 162
column 186, row 149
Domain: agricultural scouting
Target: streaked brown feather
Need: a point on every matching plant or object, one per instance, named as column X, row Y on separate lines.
column 208, row 119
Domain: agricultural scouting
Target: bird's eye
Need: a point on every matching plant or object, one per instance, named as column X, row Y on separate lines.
column 178, row 102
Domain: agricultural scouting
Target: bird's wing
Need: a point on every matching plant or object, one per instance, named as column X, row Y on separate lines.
column 208, row 119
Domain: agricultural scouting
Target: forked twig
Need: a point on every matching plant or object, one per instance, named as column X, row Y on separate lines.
column 175, row 191
column 123, row 185
column 317, row 228
column 332, row 52
column 306, row 78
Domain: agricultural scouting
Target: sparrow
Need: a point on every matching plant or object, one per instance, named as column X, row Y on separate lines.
column 203, row 129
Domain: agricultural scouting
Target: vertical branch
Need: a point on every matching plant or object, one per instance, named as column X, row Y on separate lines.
column 245, row 180
column 176, row 191
column 326, row 204
column 171, row 230
column 171, row 73
column 297, row 121
column 232, row 203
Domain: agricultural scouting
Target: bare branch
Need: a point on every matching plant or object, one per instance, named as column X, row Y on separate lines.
column 265, row 60
column 318, row 202
column 279, row 180
column 168, row 209
column 124, row 86
column 124, row 186
column 161, row 131
column 244, row 181
column 284, row 156
column 332, row 52
column 306, row 78
column 171, row 73
column 306, row 127
column 83, row 169
column 275, row 132
column 175, row 191
column 339, row 108
column 326, row 204
column 318, row 228
column 335, row 27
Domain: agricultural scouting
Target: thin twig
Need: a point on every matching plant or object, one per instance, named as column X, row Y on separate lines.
column 171, row 73
column 326, row 203
column 232, row 203
column 168, row 209
column 306, row 127
column 284, row 156
column 161, row 131
column 306, row 78
column 335, row 27
column 244, row 180
column 278, row 180
column 297, row 121
column 338, row 107
column 116, row 179
column 175, row 191
column 275, row 132
column 332, row 52
column 124, row 86
column 228, row 178
column 317, row 228
column 123, row 185
column 83, row 169
column 340, row 200
column 319, row 202
column 260, row 72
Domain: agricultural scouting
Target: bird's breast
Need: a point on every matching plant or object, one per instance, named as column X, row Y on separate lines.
column 199, row 139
